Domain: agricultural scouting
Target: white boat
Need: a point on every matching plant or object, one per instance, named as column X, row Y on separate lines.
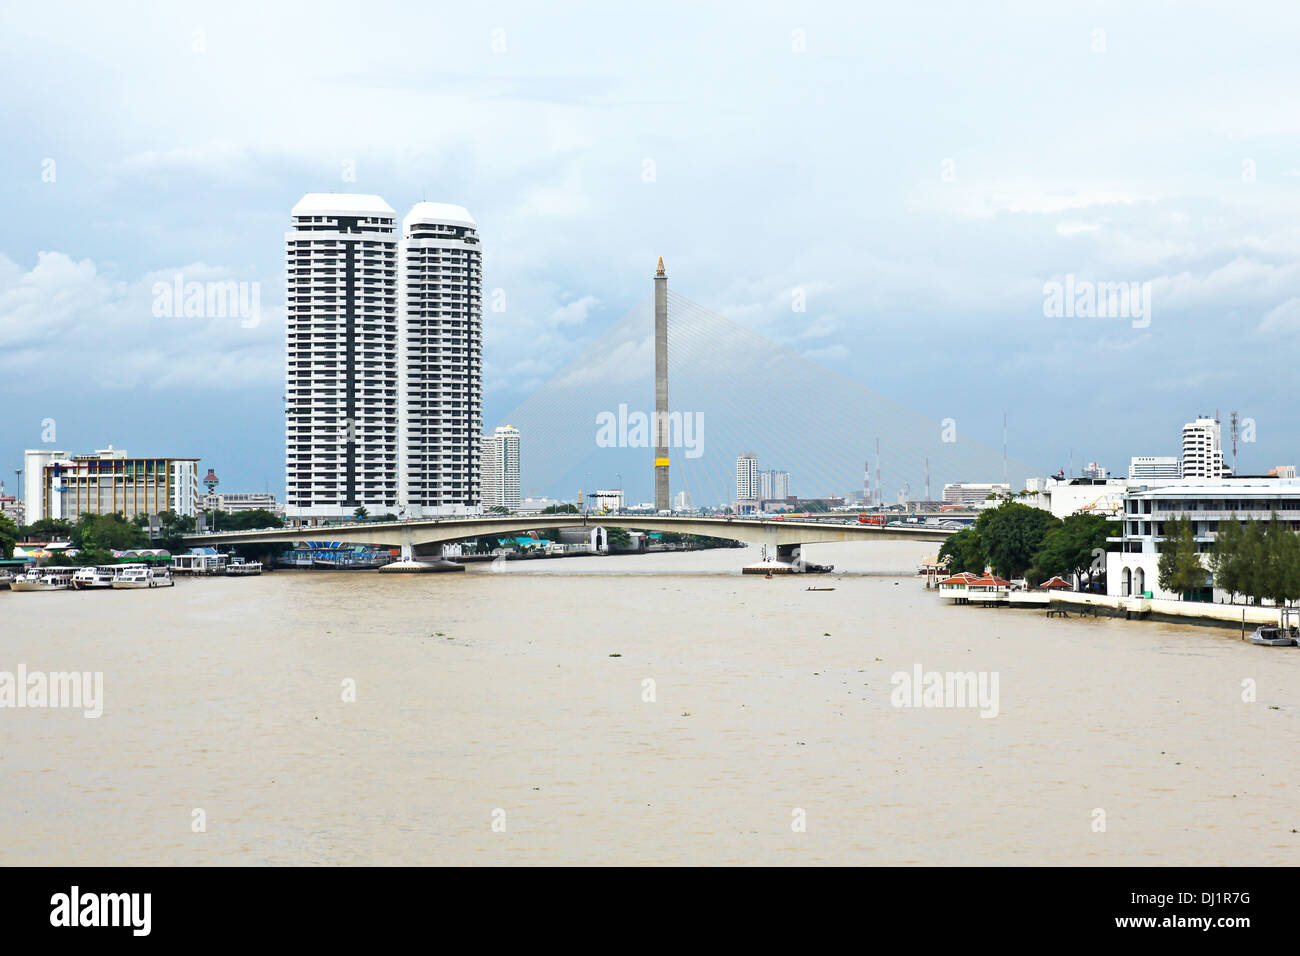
column 237, row 568
column 1273, row 636
column 89, row 578
column 130, row 578
column 43, row 579
column 5, row 579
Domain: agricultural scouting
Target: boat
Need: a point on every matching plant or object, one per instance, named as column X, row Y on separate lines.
column 90, row 577
column 819, row 589
column 1273, row 636
column 43, row 579
column 5, row 579
column 134, row 577
column 239, row 568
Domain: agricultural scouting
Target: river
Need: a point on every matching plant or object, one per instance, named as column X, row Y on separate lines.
column 506, row 717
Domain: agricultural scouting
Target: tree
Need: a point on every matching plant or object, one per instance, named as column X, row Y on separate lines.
column 965, row 551
column 8, row 536
column 49, row 529
column 1225, row 558
column 106, row 533
column 1281, row 580
column 563, row 509
column 1072, row 546
column 1012, row 534
column 361, row 514
column 1179, row 568
column 249, row 520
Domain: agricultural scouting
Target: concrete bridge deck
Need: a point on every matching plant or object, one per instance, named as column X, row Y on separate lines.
column 414, row 534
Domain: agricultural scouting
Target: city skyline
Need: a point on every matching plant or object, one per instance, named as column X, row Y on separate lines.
column 549, row 167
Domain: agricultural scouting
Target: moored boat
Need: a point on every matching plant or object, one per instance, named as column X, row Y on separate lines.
column 1271, row 635
column 89, row 578
column 135, row 577
column 43, row 579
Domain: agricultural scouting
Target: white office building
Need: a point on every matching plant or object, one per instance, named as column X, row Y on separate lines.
column 57, row 485
column 383, row 370
column 440, row 362
column 1202, row 449
column 1132, row 560
column 1155, row 466
column 682, row 501
column 748, row 483
column 973, row 494
column 233, row 502
column 500, row 465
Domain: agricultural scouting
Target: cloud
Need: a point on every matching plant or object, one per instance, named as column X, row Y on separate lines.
column 575, row 312
column 65, row 315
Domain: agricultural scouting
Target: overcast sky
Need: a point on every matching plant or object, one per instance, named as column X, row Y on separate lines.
column 917, row 172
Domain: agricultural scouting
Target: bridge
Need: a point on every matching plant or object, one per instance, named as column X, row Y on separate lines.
column 784, row 537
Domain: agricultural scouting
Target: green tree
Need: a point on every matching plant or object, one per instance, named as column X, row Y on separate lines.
column 249, row 520
column 361, row 514
column 49, row 529
column 1073, row 546
column 965, row 551
column 1281, row 580
column 1224, row 559
column 8, row 536
column 562, row 509
column 1012, row 534
column 105, row 533
column 1179, row 568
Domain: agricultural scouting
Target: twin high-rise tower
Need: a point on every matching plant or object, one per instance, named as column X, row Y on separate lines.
column 384, row 359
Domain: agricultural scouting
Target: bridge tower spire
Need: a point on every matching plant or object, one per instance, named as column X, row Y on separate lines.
column 662, row 501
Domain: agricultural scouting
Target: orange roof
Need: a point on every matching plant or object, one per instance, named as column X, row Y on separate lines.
column 961, row 577
column 992, row 579
column 1056, row 582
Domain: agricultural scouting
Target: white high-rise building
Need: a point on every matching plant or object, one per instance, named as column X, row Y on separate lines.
column 1202, row 449
column 341, row 356
column 682, row 501
column 440, row 391
column 383, row 375
column 500, row 462
column 748, row 485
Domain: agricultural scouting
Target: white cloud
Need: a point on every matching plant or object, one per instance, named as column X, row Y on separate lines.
column 575, row 312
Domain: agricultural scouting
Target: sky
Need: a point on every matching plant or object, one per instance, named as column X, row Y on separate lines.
column 885, row 189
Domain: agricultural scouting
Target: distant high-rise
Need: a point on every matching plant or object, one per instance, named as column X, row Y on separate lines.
column 1202, row 449
column 500, row 462
column 383, row 370
column 682, row 501
column 748, row 487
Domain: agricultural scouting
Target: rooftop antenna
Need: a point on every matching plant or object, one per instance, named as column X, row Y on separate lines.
column 880, row 486
column 1233, row 420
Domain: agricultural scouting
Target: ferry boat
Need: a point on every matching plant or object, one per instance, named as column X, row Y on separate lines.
column 89, row 578
column 130, row 578
column 43, row 579
column 239, row 568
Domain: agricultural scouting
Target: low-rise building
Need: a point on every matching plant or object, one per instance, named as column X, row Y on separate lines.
column 974, row 494
column 234, row 502
column 108, row 481
column 1132, row 559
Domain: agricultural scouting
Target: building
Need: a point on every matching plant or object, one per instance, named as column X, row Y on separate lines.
column 1132, row 558
column 1155, row 467
column 1282, row 471
column 682, row 502
column 1066, row 496
column 1202, row 449
column 972, row 494
column 500, row 465
column 748, row 486
column 440, row 362
column 1094, row 470
column 606, row 500
column 11, row 506
column 105, row 482
column 774, row 484
column 341, row 358
column 234, row 502
column 383, row 359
